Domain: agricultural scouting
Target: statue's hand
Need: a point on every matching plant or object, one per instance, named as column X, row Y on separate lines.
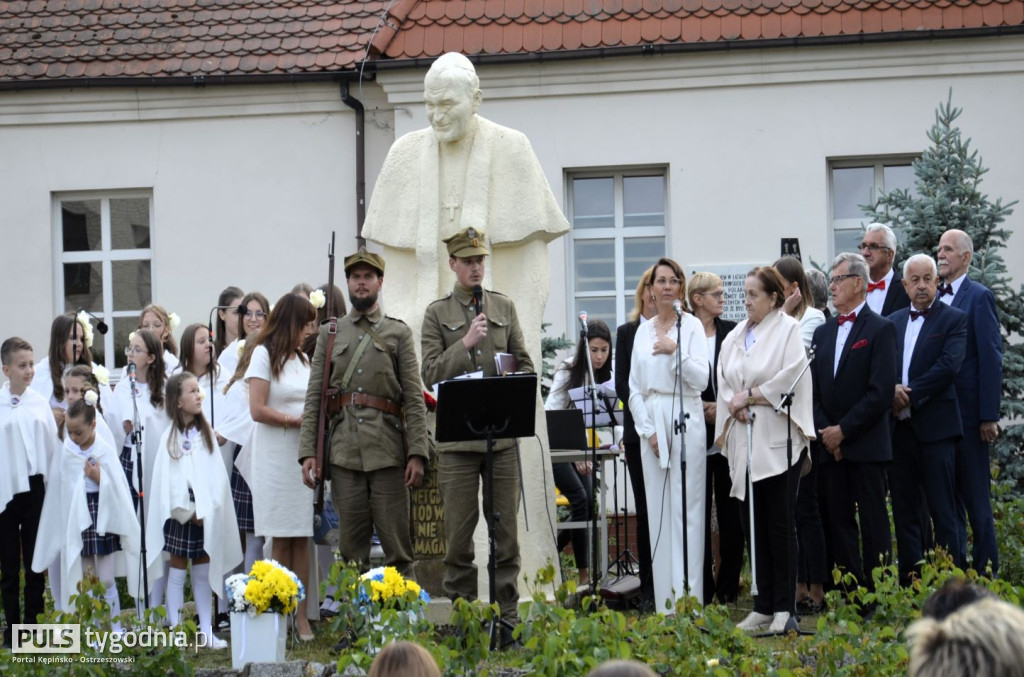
column 477, row 332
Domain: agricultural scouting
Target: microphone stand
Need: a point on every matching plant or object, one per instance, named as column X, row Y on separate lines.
column 137, row 429
column 786, row 401
column 594, row 559
column 679, row 428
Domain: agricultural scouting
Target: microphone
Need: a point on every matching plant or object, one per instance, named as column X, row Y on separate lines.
column 131, row 372
column 478, row 299
column 583, row 322
column 101, row 326
column 677, row 306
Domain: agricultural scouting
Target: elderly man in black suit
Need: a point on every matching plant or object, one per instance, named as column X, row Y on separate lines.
column 931, row 339
column 854, row 377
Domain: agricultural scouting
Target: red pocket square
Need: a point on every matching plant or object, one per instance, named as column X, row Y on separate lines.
column 859, row 344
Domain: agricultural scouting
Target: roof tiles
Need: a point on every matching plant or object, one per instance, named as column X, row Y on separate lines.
column 60, row 39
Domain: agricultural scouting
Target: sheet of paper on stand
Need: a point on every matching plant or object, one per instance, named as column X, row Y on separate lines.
column 606, row 414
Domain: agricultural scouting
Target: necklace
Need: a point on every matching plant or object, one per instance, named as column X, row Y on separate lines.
column 661, row 327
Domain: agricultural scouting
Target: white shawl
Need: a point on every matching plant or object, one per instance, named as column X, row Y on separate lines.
column 203, row 470
column 771, row 365
column 28, row 439
column 66, row 515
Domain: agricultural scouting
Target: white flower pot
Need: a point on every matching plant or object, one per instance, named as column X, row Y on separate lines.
column 257, row 639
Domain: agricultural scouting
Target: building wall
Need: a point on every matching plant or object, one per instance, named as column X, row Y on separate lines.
column 747, row 135
column 247, row 184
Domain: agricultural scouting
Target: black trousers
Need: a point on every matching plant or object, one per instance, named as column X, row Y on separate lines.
column 775, row 540
column 579, row 490
column 19, row 523
column 857, row 490
column 810, row 533
column 643, row 531
column 929, row 466
column 730, row 533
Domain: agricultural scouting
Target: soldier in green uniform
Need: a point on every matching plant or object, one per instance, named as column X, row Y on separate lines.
column 458, row 338
column 378, row 431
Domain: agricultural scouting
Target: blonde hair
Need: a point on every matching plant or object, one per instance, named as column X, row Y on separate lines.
column 701, row 283
column 638, row 299
column 168, row 343
column 404, row 659
column 982, row 638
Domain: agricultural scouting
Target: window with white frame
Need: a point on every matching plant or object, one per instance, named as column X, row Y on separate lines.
column 618, row 219
column 856, row 182
column 104, row 253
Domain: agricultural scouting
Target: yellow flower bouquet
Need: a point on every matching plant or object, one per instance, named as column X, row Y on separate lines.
column 386, row 584
column 268, row 587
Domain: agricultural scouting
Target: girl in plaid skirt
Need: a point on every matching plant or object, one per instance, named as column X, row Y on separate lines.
column 191, row 516
column 88, row 522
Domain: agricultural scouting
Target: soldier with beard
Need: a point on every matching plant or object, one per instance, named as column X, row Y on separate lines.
column 378, row 432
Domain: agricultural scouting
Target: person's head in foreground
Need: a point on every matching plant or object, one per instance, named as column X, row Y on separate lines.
column 985, row 637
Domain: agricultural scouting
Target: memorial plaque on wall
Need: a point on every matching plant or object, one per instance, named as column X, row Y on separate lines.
column 733, row 275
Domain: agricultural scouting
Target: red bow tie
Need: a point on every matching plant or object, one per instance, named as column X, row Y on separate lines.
column 914, row 314
column 945, row 289
column 880, row 285
column 843, row 319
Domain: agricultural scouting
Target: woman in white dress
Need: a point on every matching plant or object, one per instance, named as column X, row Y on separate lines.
column 67, row 348
column 278, row 374
column 654, row 399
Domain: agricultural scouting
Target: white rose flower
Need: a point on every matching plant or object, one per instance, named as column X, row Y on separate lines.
column 91, row 398
column 173, row 321
column 83, row 322
column 131, row 335
column 202, row 393
column 318, row 298
column 101, row 374
column 241, row 348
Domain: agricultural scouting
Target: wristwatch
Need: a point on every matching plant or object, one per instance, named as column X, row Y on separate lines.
column 750, row 396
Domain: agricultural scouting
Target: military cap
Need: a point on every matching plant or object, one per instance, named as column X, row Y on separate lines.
column 466, row 243
column 375, row 261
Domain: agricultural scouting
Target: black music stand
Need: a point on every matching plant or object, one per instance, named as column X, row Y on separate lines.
column 496, row 408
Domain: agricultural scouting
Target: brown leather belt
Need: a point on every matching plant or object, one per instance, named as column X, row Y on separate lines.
column 335, row 402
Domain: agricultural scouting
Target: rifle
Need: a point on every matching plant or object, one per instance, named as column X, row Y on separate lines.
column 323, row 421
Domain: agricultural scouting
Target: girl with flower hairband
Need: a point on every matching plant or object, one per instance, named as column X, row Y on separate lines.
column 78, row 381
column 190, row 514
column 69, row 346
column 87, row 522
column 146, row 353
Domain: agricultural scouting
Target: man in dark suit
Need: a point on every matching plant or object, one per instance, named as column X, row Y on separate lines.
column 930, row 339
column 854, row 377
column 885, row 291
column 979, row 387
column 624, row 336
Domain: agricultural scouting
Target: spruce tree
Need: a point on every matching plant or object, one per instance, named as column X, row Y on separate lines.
column 948, row 175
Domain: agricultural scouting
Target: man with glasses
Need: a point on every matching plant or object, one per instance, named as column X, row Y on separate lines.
column 885, row 289
column 854, row 377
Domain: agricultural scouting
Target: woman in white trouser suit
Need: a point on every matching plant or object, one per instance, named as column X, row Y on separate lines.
column 654, row 403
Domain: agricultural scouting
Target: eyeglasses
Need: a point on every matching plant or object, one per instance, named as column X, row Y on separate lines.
column 836, row 279
column 872, row 246
column 135, row 350
column 258, row 314
column 714, row 294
